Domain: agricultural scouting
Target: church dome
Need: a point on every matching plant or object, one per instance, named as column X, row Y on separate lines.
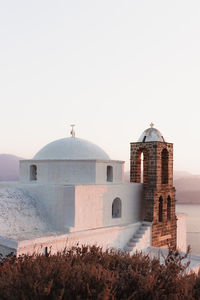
column 71, row 148
column 151, row 135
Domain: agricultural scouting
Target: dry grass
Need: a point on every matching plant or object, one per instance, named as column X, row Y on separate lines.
column 90, row 273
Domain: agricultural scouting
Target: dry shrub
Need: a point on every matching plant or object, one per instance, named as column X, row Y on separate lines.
column 90, row 273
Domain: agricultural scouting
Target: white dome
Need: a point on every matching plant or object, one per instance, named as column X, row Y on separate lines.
column 151, row 135
column 71, row 148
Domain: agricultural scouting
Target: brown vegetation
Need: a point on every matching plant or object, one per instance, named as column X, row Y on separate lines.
column 90, row 273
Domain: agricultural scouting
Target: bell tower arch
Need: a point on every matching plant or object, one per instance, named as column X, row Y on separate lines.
column 159, row 192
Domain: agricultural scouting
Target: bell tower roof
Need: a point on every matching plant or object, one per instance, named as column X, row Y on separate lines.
column 151, row 134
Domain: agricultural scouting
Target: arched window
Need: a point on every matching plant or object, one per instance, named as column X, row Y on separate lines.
column 109, row 173
column 33, row 172
column 46, row 252
column 117, row 208
column 169, row 208
column 142, row 166
column 165, row 161
column 160, row 210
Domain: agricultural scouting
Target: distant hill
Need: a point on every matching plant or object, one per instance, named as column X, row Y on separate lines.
column 181, row 174
column 188, row 189
column 187, row 186
column 9, row 167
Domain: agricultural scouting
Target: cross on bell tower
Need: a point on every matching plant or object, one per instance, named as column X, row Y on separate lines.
column 159, row 192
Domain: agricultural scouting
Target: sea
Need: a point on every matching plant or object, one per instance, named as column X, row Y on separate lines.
column 193, row 225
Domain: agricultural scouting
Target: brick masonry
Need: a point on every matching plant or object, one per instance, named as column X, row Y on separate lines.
column 158, row 182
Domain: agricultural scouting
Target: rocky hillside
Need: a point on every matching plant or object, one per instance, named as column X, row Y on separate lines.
column 188, row 189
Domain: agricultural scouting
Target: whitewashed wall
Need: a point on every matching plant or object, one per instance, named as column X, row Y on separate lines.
column 93, row 205
column 59, row 171
column 71, row 172
column 101, row 171
column 116, row 237
column 181, row 232
column 82, row 207
column 57, row 203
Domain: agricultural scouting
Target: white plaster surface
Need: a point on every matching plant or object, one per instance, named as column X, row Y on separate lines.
column 114, row 236
column 71, row 148
column 57, row 202
column 71, row 171
column 19, row 214
column 35, row 216
column 93, row 205
column 40, row 209
column 181, row 232
column 101, row 172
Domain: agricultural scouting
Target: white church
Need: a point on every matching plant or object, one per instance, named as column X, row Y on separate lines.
column 72, row 193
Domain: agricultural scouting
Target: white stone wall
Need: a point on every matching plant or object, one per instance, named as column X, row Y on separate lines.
column 71, row 172
column 82, row 207
column 93, row 205
column 181, row 232
column 57, row 203
column 60, row 172
column 116, row 237
column 101, row 172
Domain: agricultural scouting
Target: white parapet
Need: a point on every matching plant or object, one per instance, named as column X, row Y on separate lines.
column 141, row 239
column 181, row 232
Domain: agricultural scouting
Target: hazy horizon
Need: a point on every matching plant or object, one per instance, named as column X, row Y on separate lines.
column 110, row 67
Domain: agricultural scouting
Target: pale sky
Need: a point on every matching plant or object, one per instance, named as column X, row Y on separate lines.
column 111, row 67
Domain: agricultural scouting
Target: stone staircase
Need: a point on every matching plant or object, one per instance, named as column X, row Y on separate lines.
column 141, row 239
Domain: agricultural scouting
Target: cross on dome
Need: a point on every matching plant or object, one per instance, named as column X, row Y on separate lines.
column 72, row 131
column 152, row 125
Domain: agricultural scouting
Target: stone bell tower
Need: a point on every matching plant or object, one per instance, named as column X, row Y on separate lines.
column 152, row 165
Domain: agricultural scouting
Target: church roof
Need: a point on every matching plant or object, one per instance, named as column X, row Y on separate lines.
column 151, row 135
column 20, row 215
column 71, row 148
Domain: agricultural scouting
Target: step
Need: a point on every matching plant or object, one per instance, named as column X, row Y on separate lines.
column 146, row 225
column 134, row 239
column 139, row 235
column 142, row 230
column 131, row 245
column 138, row 238
column 129, row 249
column 134, row 242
